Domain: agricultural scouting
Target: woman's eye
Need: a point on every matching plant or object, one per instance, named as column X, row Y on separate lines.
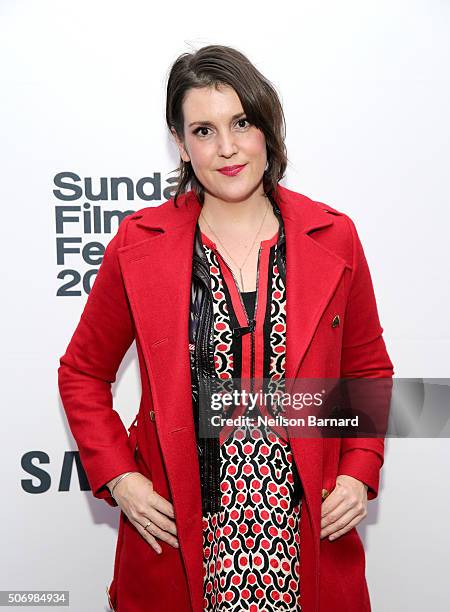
column 201, row 129
column 240, row 121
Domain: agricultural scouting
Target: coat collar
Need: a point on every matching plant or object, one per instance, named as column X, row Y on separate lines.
column 296, row 208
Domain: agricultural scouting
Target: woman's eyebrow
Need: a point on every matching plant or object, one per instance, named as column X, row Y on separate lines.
column 209, row 122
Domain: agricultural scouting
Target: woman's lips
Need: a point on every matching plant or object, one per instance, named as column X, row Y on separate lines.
column 231, row 170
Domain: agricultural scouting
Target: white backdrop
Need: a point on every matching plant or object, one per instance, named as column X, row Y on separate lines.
column 366, row 93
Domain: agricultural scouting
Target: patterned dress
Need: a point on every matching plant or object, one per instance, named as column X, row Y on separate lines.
column 252, row 545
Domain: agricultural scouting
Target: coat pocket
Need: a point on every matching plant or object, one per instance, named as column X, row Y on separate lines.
column 331, row 450
column 133, row 443
column 132, row 438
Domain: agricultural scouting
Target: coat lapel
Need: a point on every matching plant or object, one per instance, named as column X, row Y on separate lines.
column 157, row 275
column 312, row 275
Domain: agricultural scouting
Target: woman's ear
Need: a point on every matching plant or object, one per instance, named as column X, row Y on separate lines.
column 180, row 144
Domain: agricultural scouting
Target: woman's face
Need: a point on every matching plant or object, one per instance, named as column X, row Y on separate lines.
column 217, row 135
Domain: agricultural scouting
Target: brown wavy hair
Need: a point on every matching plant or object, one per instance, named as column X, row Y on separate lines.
column 216, row 65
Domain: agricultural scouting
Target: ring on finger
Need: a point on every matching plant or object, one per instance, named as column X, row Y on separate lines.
column 149, row 523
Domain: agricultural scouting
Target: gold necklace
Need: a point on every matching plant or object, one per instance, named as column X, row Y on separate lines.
column 226, row 250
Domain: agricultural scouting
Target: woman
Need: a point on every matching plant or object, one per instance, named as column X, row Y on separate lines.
column 235, row 278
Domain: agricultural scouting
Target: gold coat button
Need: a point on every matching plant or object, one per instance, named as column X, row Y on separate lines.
column 325, row 494
column 336, row 321
column 152, row 415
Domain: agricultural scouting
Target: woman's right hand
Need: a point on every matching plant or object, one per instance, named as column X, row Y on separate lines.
column 138, row 500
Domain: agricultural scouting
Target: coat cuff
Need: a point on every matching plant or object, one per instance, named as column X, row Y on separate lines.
column 103, row 493
column 364, row 465
column 98, row 486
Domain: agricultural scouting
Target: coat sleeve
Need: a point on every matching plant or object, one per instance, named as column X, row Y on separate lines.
column 88, row 368
column 364, row 355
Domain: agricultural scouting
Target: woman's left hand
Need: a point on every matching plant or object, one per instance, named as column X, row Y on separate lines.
column 344, row 508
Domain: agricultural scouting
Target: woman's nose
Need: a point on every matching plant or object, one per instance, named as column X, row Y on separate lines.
column 227, row 145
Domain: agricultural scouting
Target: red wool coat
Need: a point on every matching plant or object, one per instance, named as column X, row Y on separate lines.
column 142, row 293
